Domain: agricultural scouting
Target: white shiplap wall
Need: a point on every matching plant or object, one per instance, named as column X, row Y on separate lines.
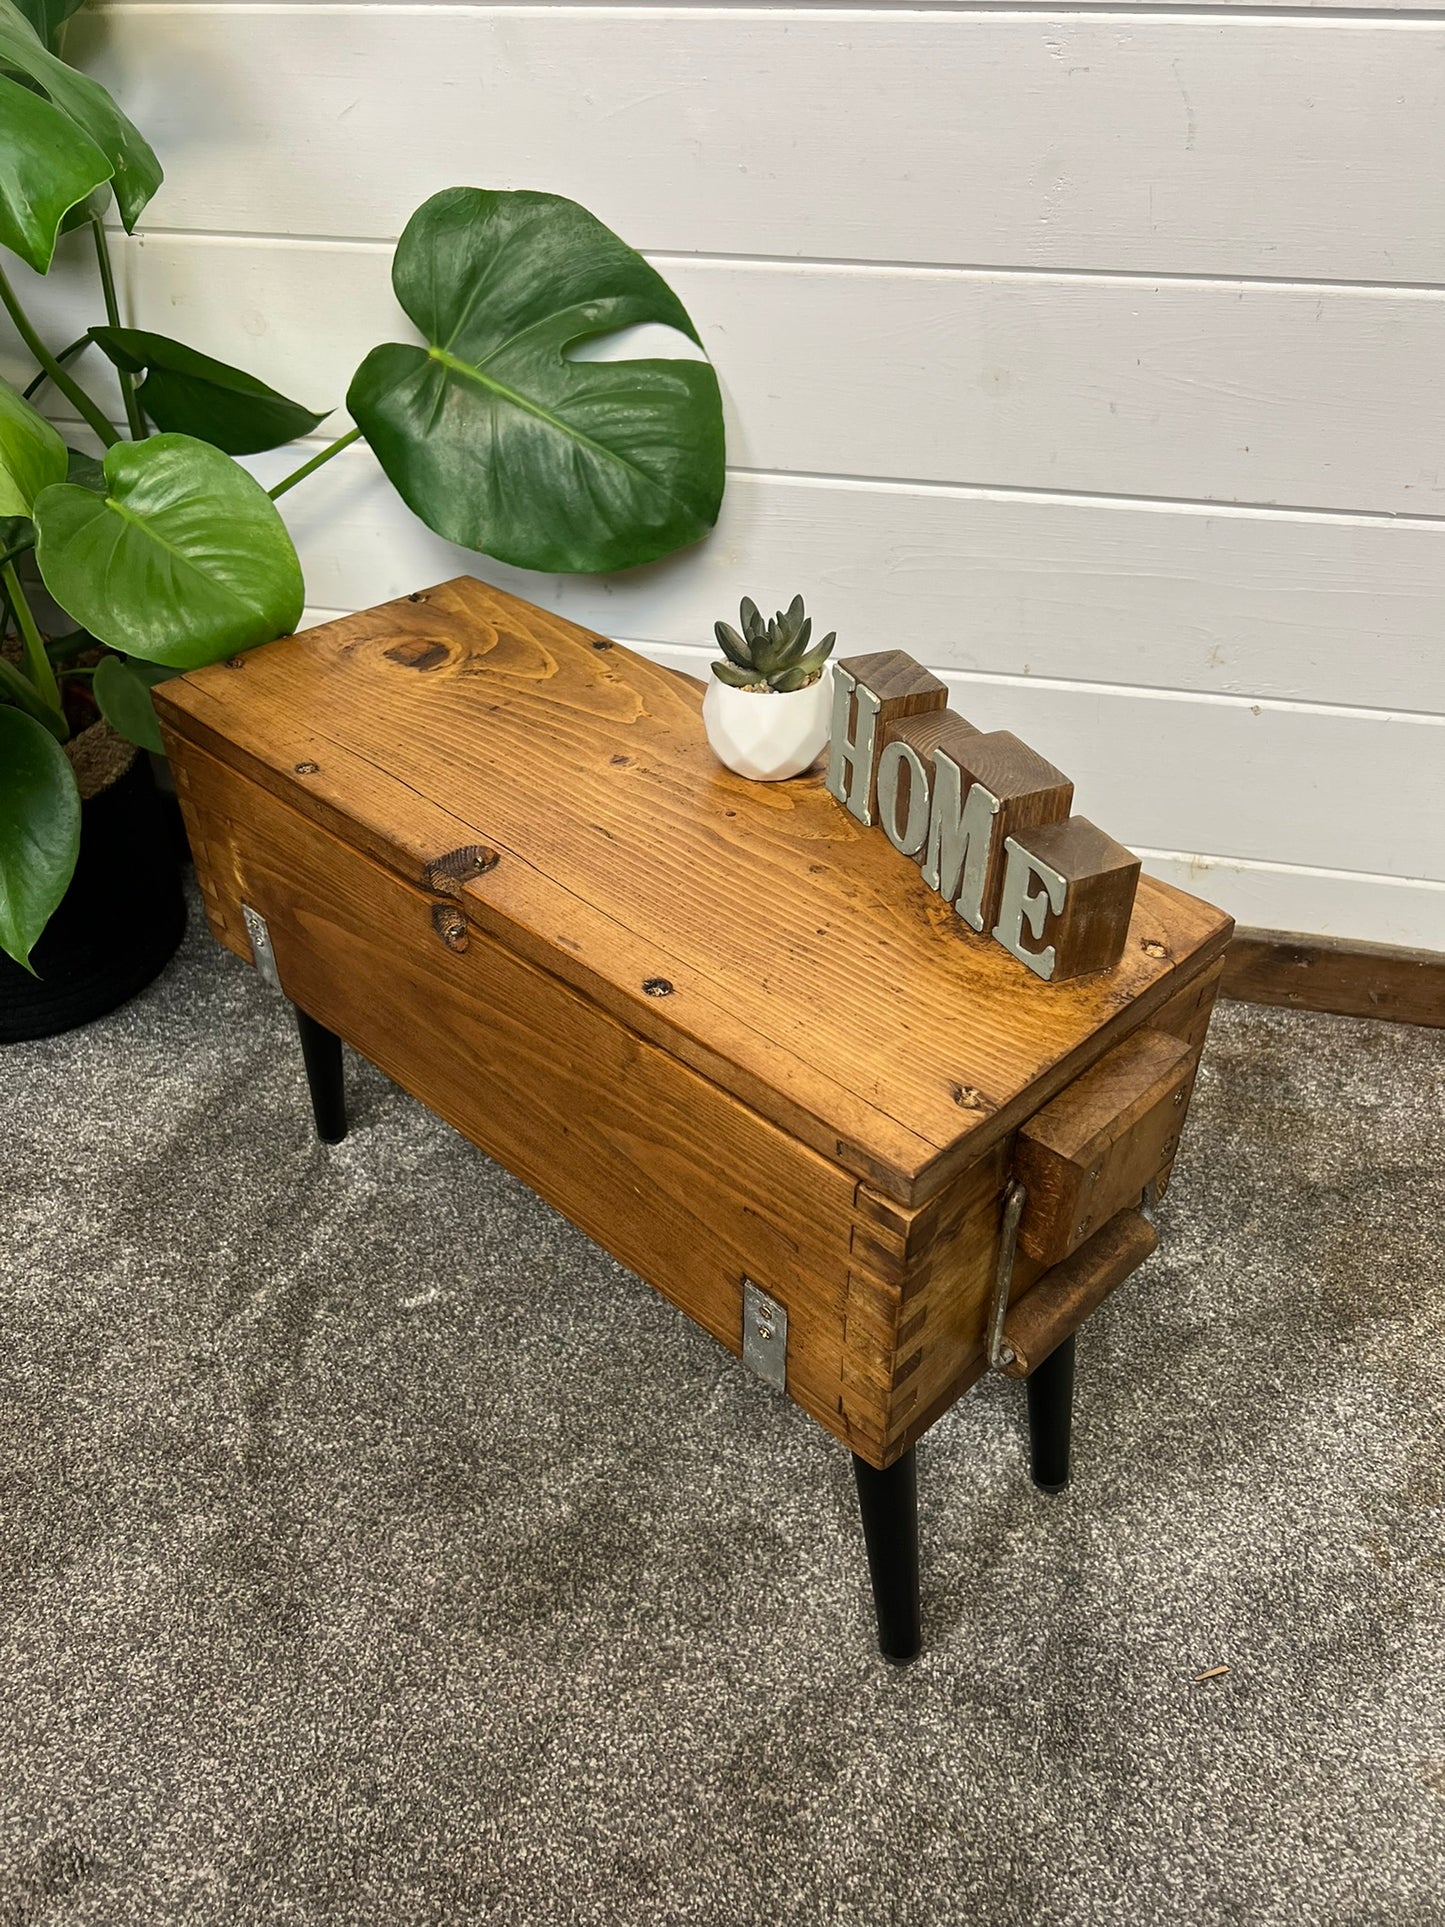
column 1092, row 356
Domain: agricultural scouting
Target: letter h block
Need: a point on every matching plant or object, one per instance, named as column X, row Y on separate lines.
column 871, row 693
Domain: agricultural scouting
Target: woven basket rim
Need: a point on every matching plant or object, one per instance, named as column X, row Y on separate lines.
column 99, row 758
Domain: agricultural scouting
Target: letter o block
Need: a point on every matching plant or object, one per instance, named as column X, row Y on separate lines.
column 900, row 769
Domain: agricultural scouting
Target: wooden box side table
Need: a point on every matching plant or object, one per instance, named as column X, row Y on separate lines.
column 725, row 1030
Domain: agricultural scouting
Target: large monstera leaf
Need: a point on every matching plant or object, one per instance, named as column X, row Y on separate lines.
column 134, row 170
column 493, row 436
column 39, row 830
column 48, row 17
column 183, row 559
column 48, row 166
column 32, row 455
column 193, row 394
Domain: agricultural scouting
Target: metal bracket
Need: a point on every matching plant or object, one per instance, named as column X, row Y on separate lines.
column 262, row 954
column 1000, row 1354
column 1149, row 1203
column 765, row 1335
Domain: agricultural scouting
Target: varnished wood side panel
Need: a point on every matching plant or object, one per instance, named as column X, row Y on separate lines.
column 941, row 1257
column 675, row 1178
column 944, row 1255
column 1186, row 1015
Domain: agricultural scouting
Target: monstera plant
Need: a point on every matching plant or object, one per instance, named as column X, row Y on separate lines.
column 165, row 554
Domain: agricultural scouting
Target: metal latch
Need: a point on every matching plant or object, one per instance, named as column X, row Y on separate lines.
column 262, row 954
column 765, row 1335
column 1000, row 1354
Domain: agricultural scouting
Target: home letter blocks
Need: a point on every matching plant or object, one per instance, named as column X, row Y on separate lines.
column 986, row 818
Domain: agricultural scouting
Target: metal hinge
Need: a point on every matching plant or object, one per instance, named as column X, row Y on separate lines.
column 765, row 1335
column 262, row 954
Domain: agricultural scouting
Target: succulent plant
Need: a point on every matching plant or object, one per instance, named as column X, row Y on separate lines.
column 771, row 655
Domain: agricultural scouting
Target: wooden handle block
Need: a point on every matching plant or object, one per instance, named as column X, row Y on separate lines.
column 1063, row 1298
column 1094, row 1148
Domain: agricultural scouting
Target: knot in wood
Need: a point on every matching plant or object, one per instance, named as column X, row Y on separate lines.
column 418, row 652
column 657, row 987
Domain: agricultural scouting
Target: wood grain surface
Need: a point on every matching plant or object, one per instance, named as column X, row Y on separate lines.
column 809, row 970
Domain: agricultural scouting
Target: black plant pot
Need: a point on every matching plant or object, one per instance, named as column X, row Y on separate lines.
column 118, row 924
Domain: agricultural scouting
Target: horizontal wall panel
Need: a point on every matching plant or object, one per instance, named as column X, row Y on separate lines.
column 876, row 6
column 1325, row 903
column 1159, row 143
column 1306, row 398
column 1319, row 609
column 1340, row 903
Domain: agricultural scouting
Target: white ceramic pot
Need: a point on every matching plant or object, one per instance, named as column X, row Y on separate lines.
column 766, row 735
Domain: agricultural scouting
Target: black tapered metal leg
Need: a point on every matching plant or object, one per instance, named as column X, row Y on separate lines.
column 888, row 1501
column 321, row 1049
column 1051, row 1417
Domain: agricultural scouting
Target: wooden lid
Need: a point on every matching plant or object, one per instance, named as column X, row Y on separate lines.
column 755, row 930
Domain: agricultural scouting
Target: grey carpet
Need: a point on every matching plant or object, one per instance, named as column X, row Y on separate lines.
column 374, row 1550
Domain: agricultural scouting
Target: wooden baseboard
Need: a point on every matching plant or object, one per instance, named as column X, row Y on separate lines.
column 1333, row 974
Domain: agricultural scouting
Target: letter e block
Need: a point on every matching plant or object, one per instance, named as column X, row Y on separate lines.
column 1082, row 905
